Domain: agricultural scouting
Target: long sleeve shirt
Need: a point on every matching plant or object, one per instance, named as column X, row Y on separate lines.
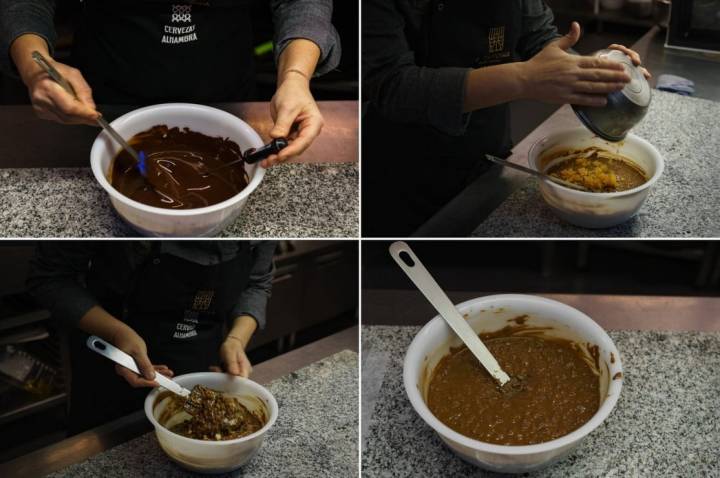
column 403, row 89
column 58, row 271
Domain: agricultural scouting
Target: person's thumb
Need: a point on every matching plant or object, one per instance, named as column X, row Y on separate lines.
column 233, row 368
column 568, row 41
column 144, row 365
column 282, row 125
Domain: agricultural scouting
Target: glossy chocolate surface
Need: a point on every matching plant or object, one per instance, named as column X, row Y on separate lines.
column 177, row 163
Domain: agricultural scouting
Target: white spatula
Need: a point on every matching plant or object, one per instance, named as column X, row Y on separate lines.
column 422, row 279
column 107, row 350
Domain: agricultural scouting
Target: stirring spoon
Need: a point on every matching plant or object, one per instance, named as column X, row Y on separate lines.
column 411, row 265
column 68, row 87
column 107, row 350
column 539, row 174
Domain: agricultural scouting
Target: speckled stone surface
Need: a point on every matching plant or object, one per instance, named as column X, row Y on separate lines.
column 315, row 433
column 666, row 423
column 294, row 200
column 685, row 202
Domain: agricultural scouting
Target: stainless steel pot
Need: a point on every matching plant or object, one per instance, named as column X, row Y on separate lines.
column 624, row 108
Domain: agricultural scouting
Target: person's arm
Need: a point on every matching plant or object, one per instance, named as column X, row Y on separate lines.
column 249, row 312
column 441, row 97
column 27, row 26
column 553, row 76
column 54, row 281
column 97, row 321
column 538, row 28
column 306, row 45
column 19, row 17
column 395, row 85
column 312, row 21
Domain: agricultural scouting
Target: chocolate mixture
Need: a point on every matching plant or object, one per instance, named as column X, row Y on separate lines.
column 553, row 390
column 597, row 169
column 216, row 417
column 176, row 162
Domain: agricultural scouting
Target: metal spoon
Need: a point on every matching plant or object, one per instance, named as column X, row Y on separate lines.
column 193, row 398
column 411, row 265
column 68, row 87
column 539, row 174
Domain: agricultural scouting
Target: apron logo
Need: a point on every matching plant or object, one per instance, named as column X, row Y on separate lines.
column 186, row 328
column 179, row 34
column 496, row 39
column 181, row 13
column 203, row 299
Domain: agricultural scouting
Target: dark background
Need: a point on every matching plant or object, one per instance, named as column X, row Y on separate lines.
column 340, row 84
column 315, row 294
column 683, row 268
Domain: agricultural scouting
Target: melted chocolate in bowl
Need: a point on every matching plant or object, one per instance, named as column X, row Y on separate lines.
column 553, row 390
column 176, row 162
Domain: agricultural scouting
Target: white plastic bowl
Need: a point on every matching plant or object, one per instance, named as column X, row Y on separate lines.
column 488, row 314
column 214, row 456
column 596, row 210
column 155, row 221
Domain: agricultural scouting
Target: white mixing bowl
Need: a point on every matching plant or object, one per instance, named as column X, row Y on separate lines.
column 596, row 210
column 155, row 221
column 491, row 313
column 214, row 456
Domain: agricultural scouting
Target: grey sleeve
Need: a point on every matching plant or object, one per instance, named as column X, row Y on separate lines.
column 537, row 28
column 54, row 281
column 396, row 86
column 18, row 17
column 253, row 300
column 311, row 20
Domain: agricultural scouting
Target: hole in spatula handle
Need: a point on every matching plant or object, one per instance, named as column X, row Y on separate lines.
column 407, row 259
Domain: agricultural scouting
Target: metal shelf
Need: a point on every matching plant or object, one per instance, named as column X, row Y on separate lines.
column 33, row 407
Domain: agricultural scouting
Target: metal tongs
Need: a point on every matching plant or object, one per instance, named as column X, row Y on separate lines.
column 194, row 400
column 68, row 87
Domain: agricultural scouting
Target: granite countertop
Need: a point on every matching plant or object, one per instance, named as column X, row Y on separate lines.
column 293, row 200
column 685, row 202
column 666, row 423
column 315, row 433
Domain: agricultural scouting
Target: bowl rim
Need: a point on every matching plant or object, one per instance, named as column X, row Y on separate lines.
column 273, row 409
column 421, row 408
column 534, row 154
column 100, row 177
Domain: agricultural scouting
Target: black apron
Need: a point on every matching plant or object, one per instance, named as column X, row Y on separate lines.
column 181, row 310
column 410, row 171
column 149, row 51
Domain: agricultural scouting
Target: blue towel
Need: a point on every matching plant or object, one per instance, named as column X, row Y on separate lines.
column 676, row 84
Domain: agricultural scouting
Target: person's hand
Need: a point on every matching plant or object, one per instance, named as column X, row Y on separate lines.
column 50, row 101
column 634, row 56
column 556, row 76
column 127, row 340
column 296, row 117
column 232, row 356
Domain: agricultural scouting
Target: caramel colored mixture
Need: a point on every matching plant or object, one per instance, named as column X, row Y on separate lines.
column 216, row 416
column 553, row 391
column 597, row 170
column 177, row 165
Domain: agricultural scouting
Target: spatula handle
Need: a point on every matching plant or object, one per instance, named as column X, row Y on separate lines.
column 107, row 350
column 411, row 265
